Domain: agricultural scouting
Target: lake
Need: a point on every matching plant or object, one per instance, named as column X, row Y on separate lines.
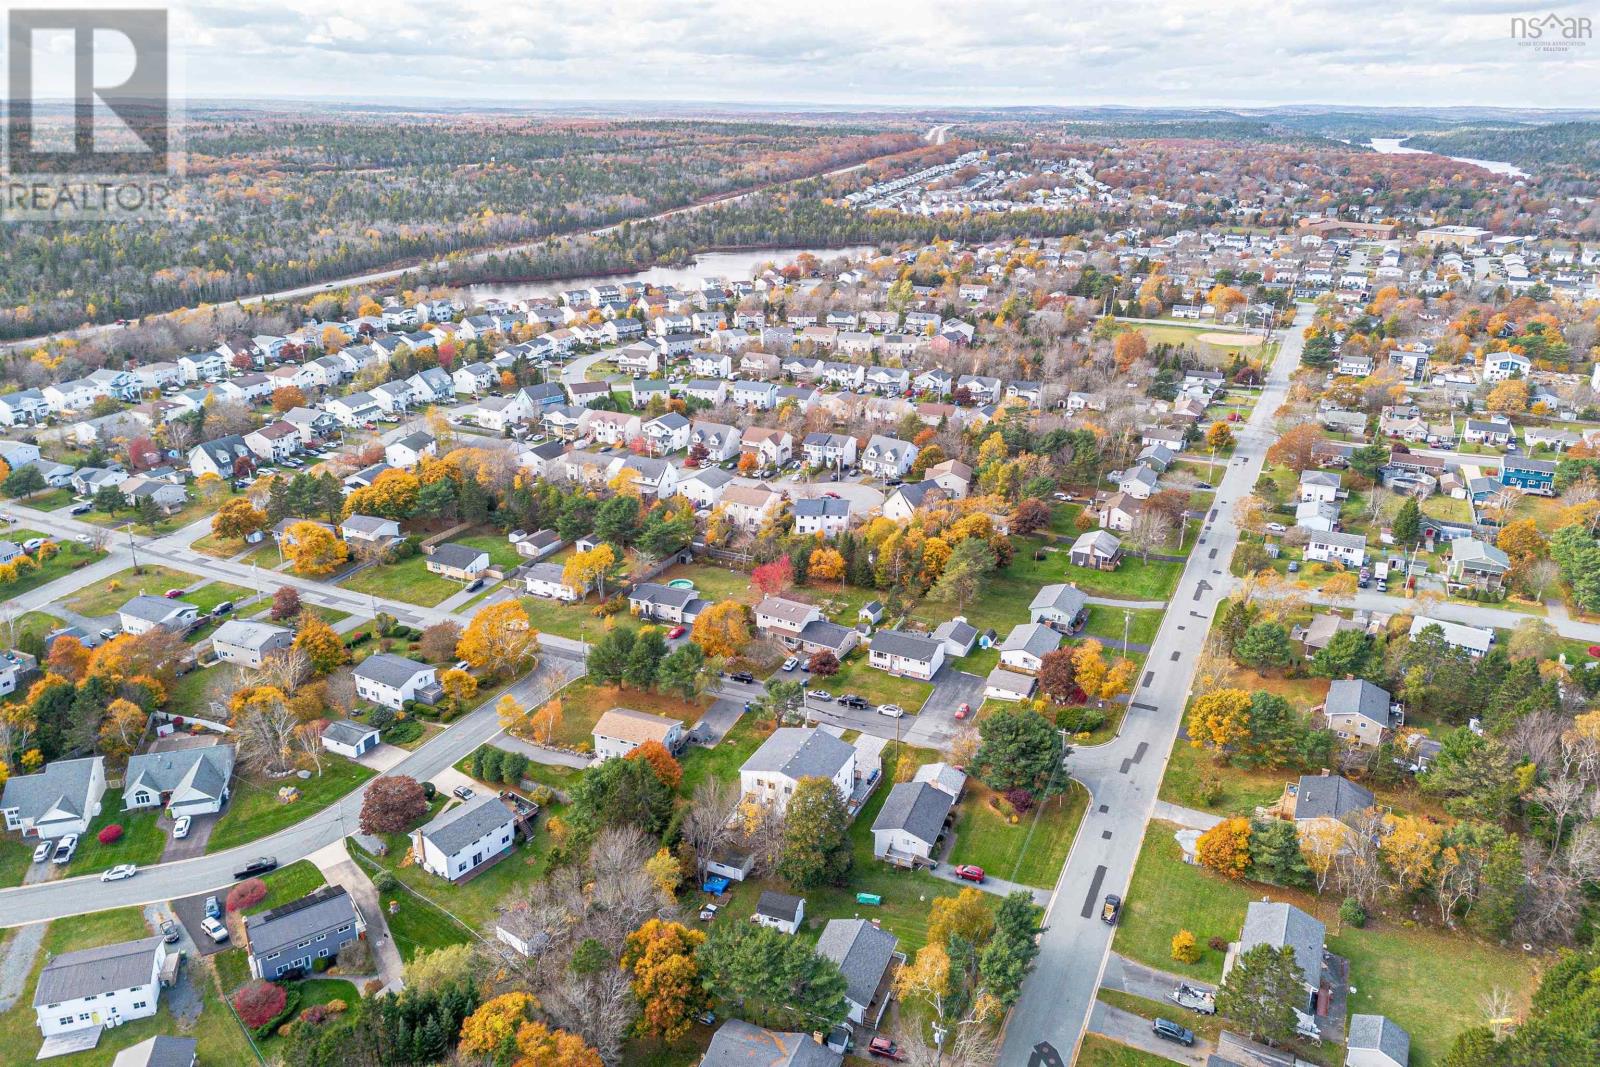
column 729, row 265
column 1392, row 146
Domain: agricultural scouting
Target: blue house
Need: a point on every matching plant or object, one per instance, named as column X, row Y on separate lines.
column 1529, row 475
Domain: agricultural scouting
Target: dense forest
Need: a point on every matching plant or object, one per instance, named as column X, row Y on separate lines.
column 273, row 203
column 1574, row 145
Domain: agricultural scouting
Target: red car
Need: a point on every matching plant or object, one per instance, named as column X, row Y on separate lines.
column 675, row 633
column 883, row 1048
column 970, row 872
column 173, row 594
column 963, row 711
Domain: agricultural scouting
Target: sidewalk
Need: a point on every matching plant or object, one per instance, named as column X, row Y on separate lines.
column 339, row 869
column 1188, row 818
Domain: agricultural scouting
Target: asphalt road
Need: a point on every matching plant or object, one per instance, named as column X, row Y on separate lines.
column 1124, row 776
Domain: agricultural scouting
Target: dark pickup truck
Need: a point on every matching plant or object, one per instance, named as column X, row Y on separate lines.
column 259, row 865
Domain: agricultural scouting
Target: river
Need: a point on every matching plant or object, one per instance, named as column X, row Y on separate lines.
column 729, row 265
column 1392, row 146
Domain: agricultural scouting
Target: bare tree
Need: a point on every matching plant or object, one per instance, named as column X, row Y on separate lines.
column 1359, row 872
column 708, row 824
column 341, row 688
column 286, row 670
column 308, row 742
column 1151, row 529
column 1499, row 1009
column 264, row 736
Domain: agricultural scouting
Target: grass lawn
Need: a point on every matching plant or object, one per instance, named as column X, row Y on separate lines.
column 233, row 969
column 1426, row 980
column 713, row 582
column 105, row 597
column 576, row 621
column 1133, row 580
column 1447, row 508
column 1097, row 1051
column 208, row 596
column 312, row 991
column 416, row 925
column 724, row 759
column 583, row 702
column 1107, row 623
column 71, row 557
column 32, row 622
column 856, row 675
column 141, row 841
column 15, row 858
column 288, row 884
column 1204, row 1026
column 195, row 691
column 407, row 580
column 254, row 810
column 1030, row 851
column 50, row 500
column 502, row 553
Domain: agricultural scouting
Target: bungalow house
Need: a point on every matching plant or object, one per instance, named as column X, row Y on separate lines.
column 391, row 680
column 740, row 1044
column 1476, row 564
column 460, row 562
column 958, row 636
column 583, row 394
column 1376, row 1041
column 665, row 603
column 144, row 613
column 888, row 457
column 1026, row 646
column 864, row 954
column 360, row 530
column 910, row 823
column 86, row 481
column 186, row 781
column 352, row 740
column 1283, row 926
column 780, row 911
column 1319, row 486
column 548, row 580
column 62, row 798
column 227, row 457
column 1361, row 713
column 159, row 1051
column 1495, row 431
column 791, row 753
column 1062, row 607
column 907, row 655
column 1473, row 640
column 823, row 515
column 107, row 985
column 1530, row 475
column 1098, row 549
column 288, row 940
column 248, row 643
column 167, row 497
column 720, row 441
column 1322, row 799
column 409, row 450
column 1334, row 546
column 1323, row 628
column 459, row 840
column 621, row 730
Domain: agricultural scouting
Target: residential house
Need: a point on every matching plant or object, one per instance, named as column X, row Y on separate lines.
column 669, row 433
column 1319, row 486
column 621, row 730
column 144, row 613
column 249, row 643
column 274, row 442
column 1376, row 1041
column 1098, row 549
column 391, row 680
column 1316, row 516
column 791, row 753
column 755, row 396
column 1333, row 546
column 1283, row 926
column 186, row 781
column 772, row 448
column 107, row 985
column 904, row 500
column 1499, row 366
column 459, row 840
column 362, row 531
column 26, row 407
column 910, row 823
column 1026, row 646
column 749, row 506
column 62, row 798
column 463, row 563
column 953, row 476
column 1530, row 475
column 1137, row 482
column 740, row 1044
column 1476, row 564
column 409, row 450
column 610, row 427
column 161, row 1050
column 720, row 441
column 665, row 603
column 352, row 740
column 354, row 410
column 823, row 515
column 474, row 378
column 780, row 617
column 548, row 580
column 780, row 911
column 202, row 366
column 703, row 488
column 1495, row 431
column 981, row 390
column 286, row 941
column 907, row 655
column 227, row 457
column 1119, row 512
column 832, row 450
column 167, row 497
column 864, row 953
column 1473, row 640
column 888, row 457
column 1063, row 607
column 958, row 636
column 1361, row 713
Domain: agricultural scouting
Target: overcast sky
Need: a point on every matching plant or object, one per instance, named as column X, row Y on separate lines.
column 886, row 52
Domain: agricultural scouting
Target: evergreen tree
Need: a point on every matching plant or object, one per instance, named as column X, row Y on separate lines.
column 1407, row 523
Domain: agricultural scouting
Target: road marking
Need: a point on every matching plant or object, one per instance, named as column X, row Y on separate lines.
column 1213, row 554
column 1145, row 707
column 1175, row 656
column 1044, row 1055
column 1105, row 835
column 1138, row 753
column 1147, row 676
column 1094, row 891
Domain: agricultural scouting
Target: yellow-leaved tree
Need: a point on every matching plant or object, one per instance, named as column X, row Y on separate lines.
column 666, row 975
column 499, row 639
column 1225, row 847
column 1220, row 719
column 313, row 549
column 722, row 630
column 585, row 569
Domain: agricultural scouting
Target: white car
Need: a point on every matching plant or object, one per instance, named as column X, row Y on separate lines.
column 894, row 711
column 214, row 929
column 82, row 539
column 42, row 853
column 1277, row 527
column 791, row 663
column 180, row 828
column 119, row 872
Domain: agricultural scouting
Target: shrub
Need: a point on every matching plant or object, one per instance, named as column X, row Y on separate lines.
column 1020, row 799
column 372, row 987
column 1351, row 913
column 1210, row 791
column 543, row 795
column 429, row 790
column 108, row 834
column 823, row 663
column 337, row 1006
column 247, row 893
column 1217, row 944
column 260, row 1003
column 319, row 964
column 1184, row 947
column 385, row 882
column 1080, row 720
column 315, row 1015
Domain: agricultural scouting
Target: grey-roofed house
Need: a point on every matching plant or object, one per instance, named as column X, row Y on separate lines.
column 289, row 939
column 910, row 823
column 1026, row 646
column 792, row 753
column 1377, row 1041
column 1283, row 926
column 1328, row 796
column 820, row 635
column 460, row 840
column 958, row 636
column 187, row 781
column 391, row 680
column 163, row 1050
column 249, row 643
column 1476, row 564
column 823, row 515
column 664, row 603
column 908, row 655
column 144, row 613
column 1003, row 684
column 1360, row 712
column 781, row 911
column 61, row 799
column 740, row 1044
column 461, row 562
column 102, row 986
column 1100, row 549
column 864, row 954
column 1064, row 607
column 349, row 739
column 942, row 776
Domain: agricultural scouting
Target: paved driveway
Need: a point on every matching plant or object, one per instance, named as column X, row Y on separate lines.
column 935, row 724
column 719, row 718
column 190, row 910
column 1131, row 1029
column 200, row 827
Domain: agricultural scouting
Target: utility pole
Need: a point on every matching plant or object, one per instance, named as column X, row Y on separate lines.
column 1127, row 622
column 133, row 551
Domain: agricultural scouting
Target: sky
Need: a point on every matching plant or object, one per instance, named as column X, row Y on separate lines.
column 866, row 53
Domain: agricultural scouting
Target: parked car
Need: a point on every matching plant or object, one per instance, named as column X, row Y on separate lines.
column 169, row 931
column 1111, row 909
column 259, row 865
column 1294, row 566
column 885, row 1049
column 851, row 700
column 791, row 663
column 119, row 872
column 213, row 908
column 821, row 696
column 173, row 594
column 32, row 544
column 1171, row 1031
column 214, row 929
column 64, row 849
column 42, row 853
column 81, row 509
column 676, row 632
column 743, row 677
column 970, row 872
column 82, row 539
column 108, row 633
column 963, row 711
column 180, row 828
column 477, row 584
column 463, row 792
column 1277, row 527
column 894, row 711
column 223, row 608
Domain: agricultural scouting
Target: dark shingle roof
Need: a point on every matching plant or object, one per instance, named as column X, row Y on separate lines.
column 1324, row 796
column 314, row 913
column 92, row 971
column 455, row 828
column 917, row 808
column 861, row 950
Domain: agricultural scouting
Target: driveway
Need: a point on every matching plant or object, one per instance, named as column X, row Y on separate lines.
column 190, row 910
column 935, row 723
column 990, row 884
column 1130, row 977
column 719, row 718
column 200, row 827
column 339, row 869
column 382, row 756
column 1131, row 1029
column 449, row 780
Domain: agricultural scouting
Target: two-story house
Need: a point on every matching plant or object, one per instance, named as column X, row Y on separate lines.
column 286, row 941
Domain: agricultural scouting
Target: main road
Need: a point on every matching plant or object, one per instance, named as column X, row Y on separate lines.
column 1124, row 776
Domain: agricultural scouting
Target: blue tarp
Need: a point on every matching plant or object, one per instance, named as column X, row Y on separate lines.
column 716, row 884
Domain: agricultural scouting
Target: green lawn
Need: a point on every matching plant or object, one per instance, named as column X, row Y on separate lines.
column 576, row 621
column 208, row 596
column 713, row 582
column 502, row 553
column 858, row 676
column 106, row 596
column 50, row 499
column 1207, row 1027
column 407, row 580
column 312, row 991
column 1031, row 851
column 71, row 557
column 1426, row 980
column 1242, row 791
column 254, row 810
column 1107, row 625
column 1097, row 1051
column 288, row 884
column 724, row 759
column 141, row 842
column 16, row 857
column 233, row 969
column 416, row 924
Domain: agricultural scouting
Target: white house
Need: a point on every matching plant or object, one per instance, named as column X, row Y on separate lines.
column 187, row 781
column 1376, row 1041
column 792, row 753
column 1026, row 646
column 720, row 441
column 409, row 450
column 669, row 433
column 1332, row 545
column 463, row 838
column 391, row 680
column 888, row 457
column 908, row 826
column 1503, row 365
column 1474, row 640
column 823, row 515
column 248, row 643
column 144, row 613
column 781, row 911
column 107, row 985
column 547, row 580
column 200, row 365
column 1320, row 487
column 61, row 799
column 908, row 655
column 621, row 730
column 864, row 953
column 834, row 450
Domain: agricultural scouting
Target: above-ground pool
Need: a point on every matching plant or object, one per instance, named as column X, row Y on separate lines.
column 680, row 583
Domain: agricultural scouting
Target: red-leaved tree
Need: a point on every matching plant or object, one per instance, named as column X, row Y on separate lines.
column 392, row 805
column 773, row 578
column 258, row 1003
column 108, row 834
column 247, row 893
